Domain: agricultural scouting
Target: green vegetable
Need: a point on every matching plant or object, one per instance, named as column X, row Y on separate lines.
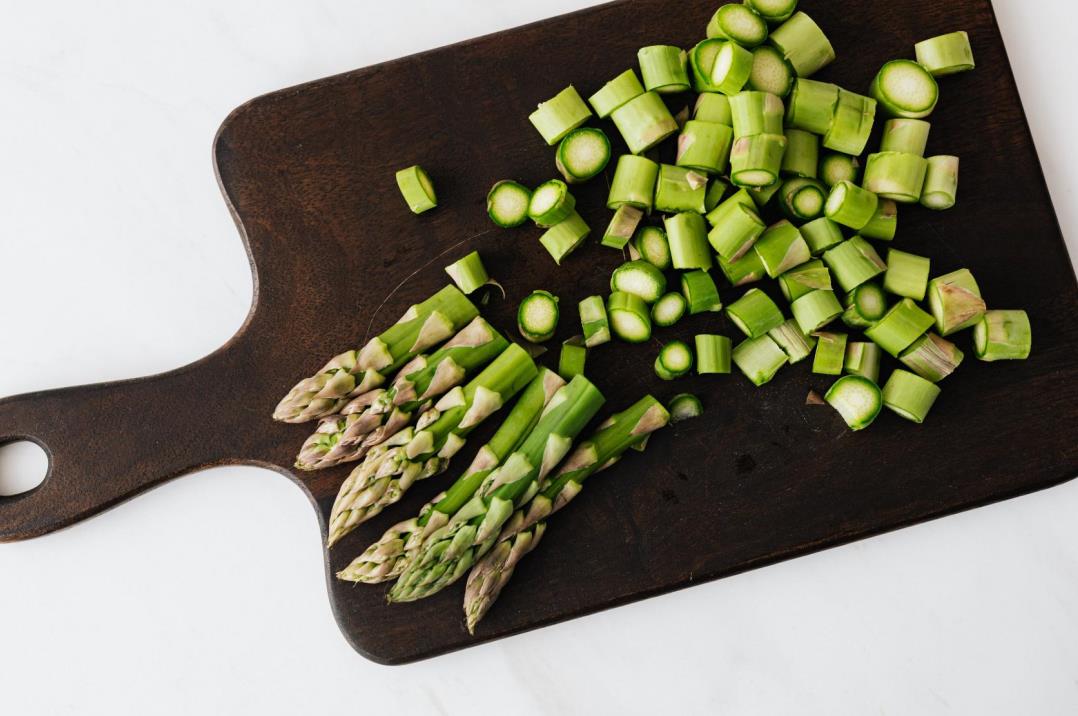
column 651, row 245
column 564, row 237
column 731, row 69
column 830, row 353
column 622, row 226
column 853, row 262
column 836, row 167
column 900, row 327
column 633, row 183
column 945, row 54
column 712, row 354
column 774, row 11
column 639, row 278
column 851, row 124
column 857, row 399
column 574, row 355
column 905, row 89
column 680, row 189
column 896, row 175
column 781, row 248
column 807, row 277
column 713, row 107
column 560, row 115
column 759, row 359
column 687, row 236
column 668, row 310
column 754, row 313
column 884, row 223
column 700, row 292
column 1002, row 335
column 551, row 203
column 468, row 273
column 796, row 345
column 757, row 160
column 685, row 406
column 812, row 106
column 906, row 275
column 863, row 359
column 906, row 136
column 955, row 301
column 815, row 310
column 803, row 44
column 821, row 234
column 675, row 360
column 583, row 154
column 593, row 321
column 537, row 316
column 630, row 319
column 770, row 72
column 931, row 357
column 507, row 204
column 704, row 147
column 850, row 205
column 616, row 93
column 417, row 189
column 644, row 121
column 941, row 183
column 737, row 229
column 739, row 24
column 802, row 156
column 663, row 69
column 909, row 395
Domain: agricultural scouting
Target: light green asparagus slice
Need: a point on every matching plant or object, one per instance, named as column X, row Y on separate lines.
column 416, row 453
column 355, row 372
column 373, row 417
column 450, row 551
column 524, row 529
column 387, row 558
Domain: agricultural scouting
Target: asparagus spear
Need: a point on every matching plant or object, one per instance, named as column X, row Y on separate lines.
column 524, row 529
column 425, row 450
column 387, row 558
column 449, row 551
column 355, row 372
column 369, row 419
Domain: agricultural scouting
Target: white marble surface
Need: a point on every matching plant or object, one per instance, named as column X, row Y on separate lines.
column 118, row 258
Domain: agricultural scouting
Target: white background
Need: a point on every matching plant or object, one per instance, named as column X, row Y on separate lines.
column 118, row 259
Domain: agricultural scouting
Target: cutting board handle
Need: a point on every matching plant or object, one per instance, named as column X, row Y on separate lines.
column 109, row 442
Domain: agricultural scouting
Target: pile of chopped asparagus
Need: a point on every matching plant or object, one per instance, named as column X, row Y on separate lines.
column 767, row 182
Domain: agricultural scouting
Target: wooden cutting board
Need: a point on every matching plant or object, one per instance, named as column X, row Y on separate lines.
column 336, row 256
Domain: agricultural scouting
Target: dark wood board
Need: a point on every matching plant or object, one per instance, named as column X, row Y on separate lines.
column 308, row 174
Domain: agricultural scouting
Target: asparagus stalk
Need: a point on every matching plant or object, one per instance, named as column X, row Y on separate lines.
column 355, row 372
column 525, row 527
column 365, row 423
column 387, row 558
column 470, row 533
column 425, row 450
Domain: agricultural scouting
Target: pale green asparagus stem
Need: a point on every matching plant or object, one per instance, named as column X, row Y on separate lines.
column 425, row 450
column 525, row 527
column 354, row 372
column 450, row 551
column 387, row 558
column 369, row 420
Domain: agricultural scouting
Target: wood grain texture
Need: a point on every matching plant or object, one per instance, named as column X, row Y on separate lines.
column 308, row 173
